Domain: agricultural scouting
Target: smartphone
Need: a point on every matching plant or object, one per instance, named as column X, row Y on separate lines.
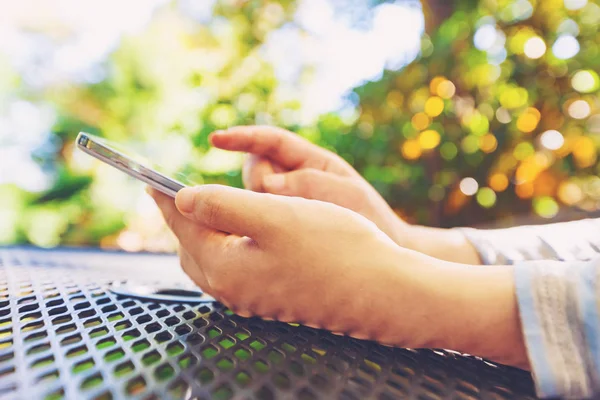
column 128, row 162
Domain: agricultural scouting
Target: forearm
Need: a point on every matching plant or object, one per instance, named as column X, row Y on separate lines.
column 453, row 306
column 540, row 315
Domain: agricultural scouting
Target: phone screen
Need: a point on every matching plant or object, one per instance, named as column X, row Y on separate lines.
column 133, row 164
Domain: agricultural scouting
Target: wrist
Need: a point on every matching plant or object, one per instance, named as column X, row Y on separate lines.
column 484, row 317
column 401, row 232
column 437, row 304
column 413, row 309
column 444, row 244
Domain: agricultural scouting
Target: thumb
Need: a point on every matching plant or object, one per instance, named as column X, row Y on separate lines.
column 230, row 210
column 308, row 183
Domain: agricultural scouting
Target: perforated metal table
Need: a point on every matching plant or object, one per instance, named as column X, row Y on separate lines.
column 64, row 335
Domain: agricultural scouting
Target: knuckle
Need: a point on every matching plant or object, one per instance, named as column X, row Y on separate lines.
column 277, row 141
column 307, row 174
column 210, row 209
column 335, row 163
column 306, row 181
column 212, row 213
column 359, row 196
column 317, row 184
column 357, row 186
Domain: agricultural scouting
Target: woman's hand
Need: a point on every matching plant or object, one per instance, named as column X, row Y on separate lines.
column 307, row 261
column 288, row 258
column 283, row 163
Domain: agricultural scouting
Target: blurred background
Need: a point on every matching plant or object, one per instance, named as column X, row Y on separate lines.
column 464, row 112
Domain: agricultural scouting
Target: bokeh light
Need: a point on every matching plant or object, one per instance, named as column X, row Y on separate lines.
column 565, row 47
column 568, row 26
column 552, row 139
column 485, row 37
column 488, row 143
column 523, row 150
column 535, row 47
column 429, row 139
column 449, row 151
column 528, row 120
column 435, row 84
column 420, row 121
column 545, row 207
column 584, row 152
column 470, row 144
column 498, row 182
column 503, row 116
column 469, row 186
column 486, row 197
column 575, row 4
column 446, row 89
column 570, row 193
column 411, row 149
column 579, row 109
column 585, row 81
column 513, row 97
column 437, row 193
column 434, row 106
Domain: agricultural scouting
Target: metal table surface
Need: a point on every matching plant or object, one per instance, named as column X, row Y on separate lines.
column 63, row 334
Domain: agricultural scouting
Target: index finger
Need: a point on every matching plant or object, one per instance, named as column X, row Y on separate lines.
column 285, row 148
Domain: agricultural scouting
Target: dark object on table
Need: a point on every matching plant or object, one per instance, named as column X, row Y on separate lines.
column 63, row 334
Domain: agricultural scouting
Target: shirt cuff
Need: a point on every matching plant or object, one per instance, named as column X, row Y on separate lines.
column 560, row 320
column 509, row 246
column 569, row 241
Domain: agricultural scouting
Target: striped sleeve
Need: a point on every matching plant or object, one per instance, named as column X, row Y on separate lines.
column 557, row 272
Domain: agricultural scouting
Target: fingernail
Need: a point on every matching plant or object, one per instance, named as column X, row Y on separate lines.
column 274, row 182
column 150, row 191
column 185, row 200
column 214, row 135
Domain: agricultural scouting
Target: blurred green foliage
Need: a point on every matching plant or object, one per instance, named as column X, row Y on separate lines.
column 498, row 115
column 505, row 92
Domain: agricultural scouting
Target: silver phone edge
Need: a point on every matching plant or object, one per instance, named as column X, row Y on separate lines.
column 169, row 191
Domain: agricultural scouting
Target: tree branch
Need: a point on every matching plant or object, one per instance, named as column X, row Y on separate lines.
column 436, row 12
